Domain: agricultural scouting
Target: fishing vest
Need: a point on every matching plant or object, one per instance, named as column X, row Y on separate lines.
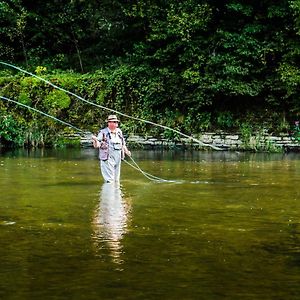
column 107, row 145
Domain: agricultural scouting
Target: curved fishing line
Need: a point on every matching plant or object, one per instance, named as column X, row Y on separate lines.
column 139, row 168
column 112, row 110
column 152, row 176
column 39, row 111
column 147, row 175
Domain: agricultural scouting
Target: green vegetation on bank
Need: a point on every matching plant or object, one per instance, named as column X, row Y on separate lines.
column 191, row 65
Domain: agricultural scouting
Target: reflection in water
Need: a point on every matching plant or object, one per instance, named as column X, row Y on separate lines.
column 110, row 220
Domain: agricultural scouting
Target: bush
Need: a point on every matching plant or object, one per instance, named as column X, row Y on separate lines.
column 57, row 99
column 11, row 132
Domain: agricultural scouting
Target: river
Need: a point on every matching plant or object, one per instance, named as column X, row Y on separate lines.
column 226, row 226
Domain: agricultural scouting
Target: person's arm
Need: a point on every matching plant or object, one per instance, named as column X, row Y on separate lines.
column 125, row 149
column 96, row 143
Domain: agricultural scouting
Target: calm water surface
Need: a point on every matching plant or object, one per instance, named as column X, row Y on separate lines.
column 228, row 227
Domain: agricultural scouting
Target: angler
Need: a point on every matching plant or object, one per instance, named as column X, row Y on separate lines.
column 112, row 149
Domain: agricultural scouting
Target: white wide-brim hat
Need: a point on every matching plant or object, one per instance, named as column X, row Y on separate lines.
column 112, row 118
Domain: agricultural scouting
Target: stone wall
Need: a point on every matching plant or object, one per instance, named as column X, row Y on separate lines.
column 223, row 140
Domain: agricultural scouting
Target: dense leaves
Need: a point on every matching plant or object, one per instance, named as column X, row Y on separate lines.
column 193, row 65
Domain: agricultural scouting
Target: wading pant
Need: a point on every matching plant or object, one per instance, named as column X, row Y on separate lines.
column 111, row 168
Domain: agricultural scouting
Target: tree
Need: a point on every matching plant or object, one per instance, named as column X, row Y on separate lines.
column 13, row 21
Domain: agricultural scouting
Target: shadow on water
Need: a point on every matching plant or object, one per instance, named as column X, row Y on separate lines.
column 110, row 221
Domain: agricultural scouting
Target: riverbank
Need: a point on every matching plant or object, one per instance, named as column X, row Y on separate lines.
column 226, row 141
column 257, row 142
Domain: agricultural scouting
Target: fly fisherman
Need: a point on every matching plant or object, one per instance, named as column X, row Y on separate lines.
column 112, row 149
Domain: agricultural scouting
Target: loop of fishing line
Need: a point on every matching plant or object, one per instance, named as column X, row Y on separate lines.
column 147, row 175
column 140, row 170
column 112, row 110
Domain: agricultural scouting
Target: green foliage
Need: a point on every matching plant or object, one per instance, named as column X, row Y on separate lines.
column 295, row 6
column 197, row 121
column 246, row 131
column 290, row 76
column 57, row 99
column 225, row 120
column 296, row 131
column 34, row 137
column 40, row 70
column 190, row 65
column 10, row 130
column 24, row 98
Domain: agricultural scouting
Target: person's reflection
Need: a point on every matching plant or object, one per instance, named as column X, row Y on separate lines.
column 110, row 221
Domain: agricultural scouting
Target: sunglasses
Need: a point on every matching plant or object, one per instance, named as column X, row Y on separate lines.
column 113, row 122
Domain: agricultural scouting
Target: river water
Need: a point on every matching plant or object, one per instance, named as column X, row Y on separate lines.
column 226, row 227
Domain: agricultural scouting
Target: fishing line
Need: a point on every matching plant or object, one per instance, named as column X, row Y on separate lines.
column 39, row 111
column 137, row 167
column 112, row 110
column 147, row 175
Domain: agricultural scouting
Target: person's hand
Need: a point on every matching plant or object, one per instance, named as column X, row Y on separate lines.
column 127, row 152
column 96, row 143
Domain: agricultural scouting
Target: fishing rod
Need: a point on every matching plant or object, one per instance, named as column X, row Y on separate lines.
column 112, row 110
column 137, row 167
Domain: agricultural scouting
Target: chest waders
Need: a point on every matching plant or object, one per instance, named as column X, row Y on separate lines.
column 111, row 154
